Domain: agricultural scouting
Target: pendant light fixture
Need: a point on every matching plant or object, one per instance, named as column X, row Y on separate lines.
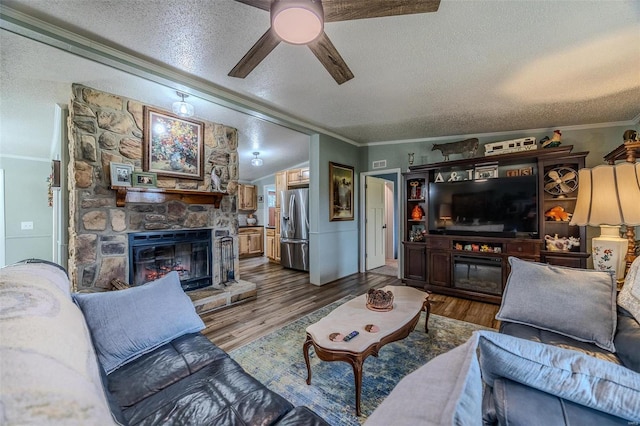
column 256, row 162
column 182, row 108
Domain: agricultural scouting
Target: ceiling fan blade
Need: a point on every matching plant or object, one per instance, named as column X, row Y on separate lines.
column 328, row 55
column 260, row 4
column 346, row 10
column 256, row 54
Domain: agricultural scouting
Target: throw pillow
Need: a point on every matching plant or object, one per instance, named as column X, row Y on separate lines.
column 576, row 303
column 128, row 323
column 629, row 297
column 445, row 391
column 568, row 374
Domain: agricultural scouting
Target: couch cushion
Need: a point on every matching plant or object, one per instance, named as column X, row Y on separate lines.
column 126, row 324
column 49, row 374
column 565, row 373
column 577, row 303
column 445, row 391
column 628, row 340
column 629, row 297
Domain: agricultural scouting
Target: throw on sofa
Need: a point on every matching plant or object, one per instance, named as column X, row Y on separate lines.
column 566, row 355
column 152, row 364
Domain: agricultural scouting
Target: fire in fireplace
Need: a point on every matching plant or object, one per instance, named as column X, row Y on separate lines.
column 154, row 254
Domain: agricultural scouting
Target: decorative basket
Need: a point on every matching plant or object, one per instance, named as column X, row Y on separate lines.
column 379, row 300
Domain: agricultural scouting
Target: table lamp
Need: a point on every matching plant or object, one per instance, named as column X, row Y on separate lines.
column 444, row 213
column 609, row 196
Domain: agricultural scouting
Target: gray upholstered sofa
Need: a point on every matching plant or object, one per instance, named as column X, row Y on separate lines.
column 133, row 356
column 568, row 353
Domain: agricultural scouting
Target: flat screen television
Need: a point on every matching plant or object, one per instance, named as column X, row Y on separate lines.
column 500, row 207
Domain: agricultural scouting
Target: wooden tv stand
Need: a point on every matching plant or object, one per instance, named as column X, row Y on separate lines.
column 475, row 265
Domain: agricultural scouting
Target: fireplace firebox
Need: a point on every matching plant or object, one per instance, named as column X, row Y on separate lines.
column 154, row 254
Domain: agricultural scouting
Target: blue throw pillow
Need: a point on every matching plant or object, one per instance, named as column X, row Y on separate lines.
column 577, row 303
column 126, row 324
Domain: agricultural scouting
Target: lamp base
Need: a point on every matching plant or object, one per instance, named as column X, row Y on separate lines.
column 609, row 251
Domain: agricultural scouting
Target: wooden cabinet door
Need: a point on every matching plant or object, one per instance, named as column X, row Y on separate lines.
column 255, row 243
column 415, row 262
column 276, row 243
column 270, row 247
column 304, row 175
column 439, row 268
column 293, row 176
column 243, row 244
column 281, row 185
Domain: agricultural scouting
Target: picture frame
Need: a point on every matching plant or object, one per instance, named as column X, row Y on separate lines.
column 144, row 179
column 172, row 146
column 121, row 174
column 486, row 172
column 341, row 189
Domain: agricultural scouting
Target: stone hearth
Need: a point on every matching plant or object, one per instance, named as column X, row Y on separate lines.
column 210, row 298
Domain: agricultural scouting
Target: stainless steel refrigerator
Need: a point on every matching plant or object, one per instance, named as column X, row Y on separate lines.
column 294, row 229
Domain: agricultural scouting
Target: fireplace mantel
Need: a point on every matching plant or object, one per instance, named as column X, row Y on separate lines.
column 160, row 195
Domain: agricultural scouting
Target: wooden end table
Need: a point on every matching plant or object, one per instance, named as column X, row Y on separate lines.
column 394, row 325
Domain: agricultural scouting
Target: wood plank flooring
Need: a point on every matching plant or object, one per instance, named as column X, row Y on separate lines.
column 285, row 295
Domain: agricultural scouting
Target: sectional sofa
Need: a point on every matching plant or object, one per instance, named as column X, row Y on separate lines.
column 568, row 353
column 133, row 357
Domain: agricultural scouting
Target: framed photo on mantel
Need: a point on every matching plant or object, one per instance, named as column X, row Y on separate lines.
column 341, row 192
column 172, row 146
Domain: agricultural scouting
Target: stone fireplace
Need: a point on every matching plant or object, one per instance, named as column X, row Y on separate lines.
column 105, row 128
column 153, row 255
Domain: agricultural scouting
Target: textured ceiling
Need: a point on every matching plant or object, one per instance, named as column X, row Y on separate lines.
column 472, row 67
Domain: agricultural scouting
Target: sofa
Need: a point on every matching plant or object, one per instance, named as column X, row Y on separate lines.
column 133, row 356
column 567, row 353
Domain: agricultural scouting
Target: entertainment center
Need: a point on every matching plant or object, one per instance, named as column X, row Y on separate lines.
column 464, row 218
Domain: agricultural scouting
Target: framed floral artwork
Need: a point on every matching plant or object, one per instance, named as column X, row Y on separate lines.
column 341, row 192
column 172, row 146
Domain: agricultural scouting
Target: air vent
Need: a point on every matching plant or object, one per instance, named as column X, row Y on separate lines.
column 380, row 164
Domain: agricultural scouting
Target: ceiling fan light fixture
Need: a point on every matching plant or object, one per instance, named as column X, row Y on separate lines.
column 297, row 22
column 256, row 162
column 182, row 108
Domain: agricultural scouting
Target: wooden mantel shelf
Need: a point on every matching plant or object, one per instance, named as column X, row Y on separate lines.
column 125, row 194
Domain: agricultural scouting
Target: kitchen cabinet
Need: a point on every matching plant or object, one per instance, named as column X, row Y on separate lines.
column 271, row 241
column 250, row 241
column 298, row 177
column 247, row 197
column 281, row 185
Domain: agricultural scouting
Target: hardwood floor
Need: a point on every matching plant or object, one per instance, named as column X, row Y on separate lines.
column 285, row 295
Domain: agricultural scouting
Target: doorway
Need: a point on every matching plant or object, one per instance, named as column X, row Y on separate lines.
column 380, row 224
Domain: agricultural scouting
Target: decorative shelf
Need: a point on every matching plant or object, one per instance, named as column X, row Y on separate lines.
column 628, row 151
column 125, row 194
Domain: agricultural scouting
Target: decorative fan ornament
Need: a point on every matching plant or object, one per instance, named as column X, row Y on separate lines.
column 560, row 181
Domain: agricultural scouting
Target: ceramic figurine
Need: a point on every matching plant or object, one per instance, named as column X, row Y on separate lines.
column 215, row 181
column 555, row 140
column 417, row 213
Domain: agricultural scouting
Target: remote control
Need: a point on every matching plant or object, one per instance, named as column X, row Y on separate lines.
column 350, row 336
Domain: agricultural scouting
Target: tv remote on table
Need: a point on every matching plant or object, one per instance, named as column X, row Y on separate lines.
column 350, row 336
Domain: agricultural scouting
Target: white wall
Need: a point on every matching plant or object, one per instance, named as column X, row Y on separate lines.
column 333, row 246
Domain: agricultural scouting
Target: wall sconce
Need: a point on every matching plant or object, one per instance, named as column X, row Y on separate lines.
column 182, row 108
column 256, row 162
column 609, row 196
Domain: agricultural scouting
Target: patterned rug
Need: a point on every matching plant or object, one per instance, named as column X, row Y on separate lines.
column 277, row 361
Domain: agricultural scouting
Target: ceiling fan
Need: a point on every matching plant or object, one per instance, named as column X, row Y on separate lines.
column 302, row 22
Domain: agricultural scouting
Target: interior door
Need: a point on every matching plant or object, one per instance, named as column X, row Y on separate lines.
column 375, row 225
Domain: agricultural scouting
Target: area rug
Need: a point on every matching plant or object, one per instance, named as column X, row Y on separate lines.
column 277, row 361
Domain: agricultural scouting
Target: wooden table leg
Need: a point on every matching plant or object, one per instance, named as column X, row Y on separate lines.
column 305, row 349
column 356, row 363
column 427, row 308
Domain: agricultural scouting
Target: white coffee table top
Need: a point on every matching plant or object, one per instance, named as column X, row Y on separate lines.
column 354, row 315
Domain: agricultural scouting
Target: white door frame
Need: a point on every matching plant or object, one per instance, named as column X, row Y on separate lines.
column 3, row 258
column 363, row 215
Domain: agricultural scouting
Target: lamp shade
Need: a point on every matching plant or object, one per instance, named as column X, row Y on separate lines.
column 608, row 195
column 444, row 211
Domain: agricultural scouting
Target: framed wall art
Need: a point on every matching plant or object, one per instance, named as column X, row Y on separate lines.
column 144, row 179
column 341, row 192
column 121, row 174
column 172, row 146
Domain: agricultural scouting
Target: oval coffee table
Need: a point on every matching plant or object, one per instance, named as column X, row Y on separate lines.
column 395, row 324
